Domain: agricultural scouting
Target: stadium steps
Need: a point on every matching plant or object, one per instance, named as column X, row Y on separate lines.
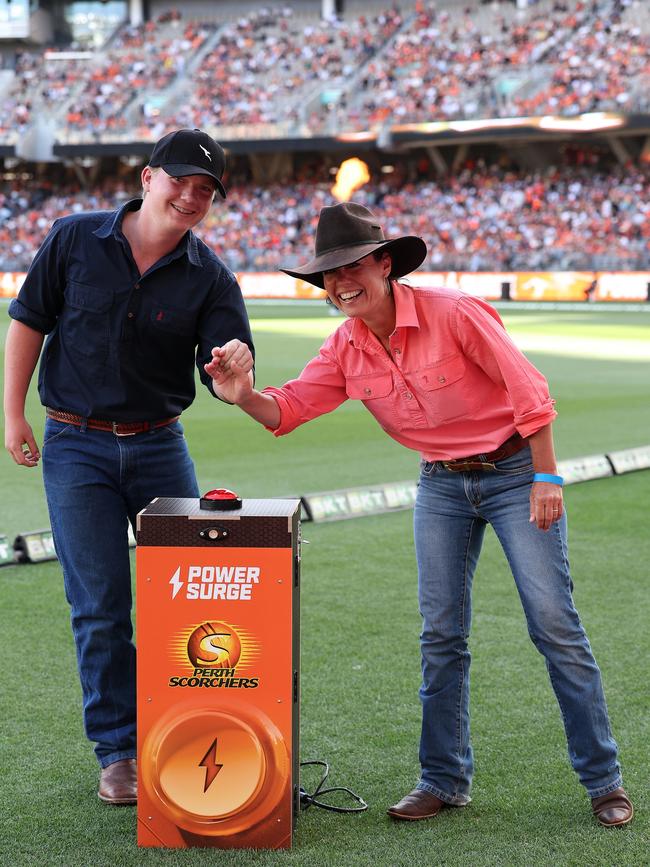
column 113, row 50
column 165, row 96
column 342, row 89
column 484, row 20
column 178, row 92
column 536, row 77
column 7, row 78
column 183, row 93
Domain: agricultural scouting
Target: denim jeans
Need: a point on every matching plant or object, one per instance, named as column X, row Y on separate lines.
column 95, row 483
column 451, row 513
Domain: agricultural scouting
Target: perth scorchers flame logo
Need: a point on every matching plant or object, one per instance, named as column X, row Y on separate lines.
column 215, row 652
column 214, row 645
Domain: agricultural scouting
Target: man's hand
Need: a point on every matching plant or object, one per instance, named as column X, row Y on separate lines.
column 546, row 505
column 22, row 348
column 20, row 442
column 230, row 370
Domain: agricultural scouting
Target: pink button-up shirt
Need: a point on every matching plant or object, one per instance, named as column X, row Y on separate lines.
column 453, row 385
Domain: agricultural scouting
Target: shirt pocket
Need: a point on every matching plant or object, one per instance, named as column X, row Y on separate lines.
column 369, row 387
column 85, row 320
column 445, row 391
column 377, row 394
column 162, row 317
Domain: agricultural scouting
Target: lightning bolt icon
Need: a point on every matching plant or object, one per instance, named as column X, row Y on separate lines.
column 209, row 762
column 176, row 582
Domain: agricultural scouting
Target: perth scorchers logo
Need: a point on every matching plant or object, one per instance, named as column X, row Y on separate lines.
column 213, row 650
column 214, row 645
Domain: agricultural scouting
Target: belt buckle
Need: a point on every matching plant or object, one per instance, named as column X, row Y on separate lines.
column 467, row 466
column 118, row 433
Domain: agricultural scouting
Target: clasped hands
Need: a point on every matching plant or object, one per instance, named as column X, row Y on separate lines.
column 231, row 371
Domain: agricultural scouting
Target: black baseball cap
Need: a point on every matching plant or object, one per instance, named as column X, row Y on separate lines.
column 190, row 152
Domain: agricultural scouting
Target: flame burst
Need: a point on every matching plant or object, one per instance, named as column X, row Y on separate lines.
column 352, row 175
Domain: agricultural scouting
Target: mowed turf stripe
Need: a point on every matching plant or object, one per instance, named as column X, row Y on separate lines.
column 578, row 340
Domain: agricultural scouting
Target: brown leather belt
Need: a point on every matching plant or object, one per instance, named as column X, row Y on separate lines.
column 486, row 462
column 119, row 428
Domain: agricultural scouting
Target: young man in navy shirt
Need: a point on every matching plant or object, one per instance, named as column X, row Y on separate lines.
column 131, row 301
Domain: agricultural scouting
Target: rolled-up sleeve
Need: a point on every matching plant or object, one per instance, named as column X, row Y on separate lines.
column 223, row 318
column 40, row 299
column 319, row 389
column 486, row 342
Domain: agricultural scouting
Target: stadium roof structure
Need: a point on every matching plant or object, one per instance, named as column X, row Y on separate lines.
column 595, row 127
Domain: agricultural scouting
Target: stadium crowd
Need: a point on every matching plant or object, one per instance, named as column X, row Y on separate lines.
column 263, row 66
column 140, row 61
column 91, row 95
column 605, row 66
column 411, row 64
column 566, row 59
column 444, row 67
column 486, row 218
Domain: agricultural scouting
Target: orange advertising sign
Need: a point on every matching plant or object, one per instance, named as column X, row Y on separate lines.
column 523, row 286
column 552, row 286
column 624, row 286
column 217, row 687
column 276, row 285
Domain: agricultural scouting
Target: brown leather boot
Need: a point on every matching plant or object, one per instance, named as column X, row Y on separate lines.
column 418, row 804
column 613, row 809
column 118, row 783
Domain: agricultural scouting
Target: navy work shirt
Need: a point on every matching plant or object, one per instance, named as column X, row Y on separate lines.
column 122, row 346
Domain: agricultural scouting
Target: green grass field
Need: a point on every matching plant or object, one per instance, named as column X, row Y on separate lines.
column 360, row 660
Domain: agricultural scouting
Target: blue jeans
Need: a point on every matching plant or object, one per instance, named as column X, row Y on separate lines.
column 95, row 483
column 451, row 513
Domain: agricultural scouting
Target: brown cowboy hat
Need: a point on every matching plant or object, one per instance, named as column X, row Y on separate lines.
column 346, row 233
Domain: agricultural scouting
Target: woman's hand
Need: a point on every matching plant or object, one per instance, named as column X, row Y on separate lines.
column 546, row 504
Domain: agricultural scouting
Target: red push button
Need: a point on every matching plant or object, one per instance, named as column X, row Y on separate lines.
column 220, row 500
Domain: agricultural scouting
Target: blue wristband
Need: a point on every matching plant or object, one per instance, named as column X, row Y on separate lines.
column 547, row 477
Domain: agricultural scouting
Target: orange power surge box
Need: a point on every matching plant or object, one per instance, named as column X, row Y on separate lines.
column 218, row 671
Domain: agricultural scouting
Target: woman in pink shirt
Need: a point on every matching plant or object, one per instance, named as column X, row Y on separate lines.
column 438, row 371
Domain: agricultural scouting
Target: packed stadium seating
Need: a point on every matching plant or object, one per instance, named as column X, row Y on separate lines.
column 295, row 75
column 451, row 64
column 483, row 219
column 276, row 72
column 263, row 69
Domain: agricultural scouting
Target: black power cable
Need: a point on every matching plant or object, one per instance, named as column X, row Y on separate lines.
column 308, row 799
